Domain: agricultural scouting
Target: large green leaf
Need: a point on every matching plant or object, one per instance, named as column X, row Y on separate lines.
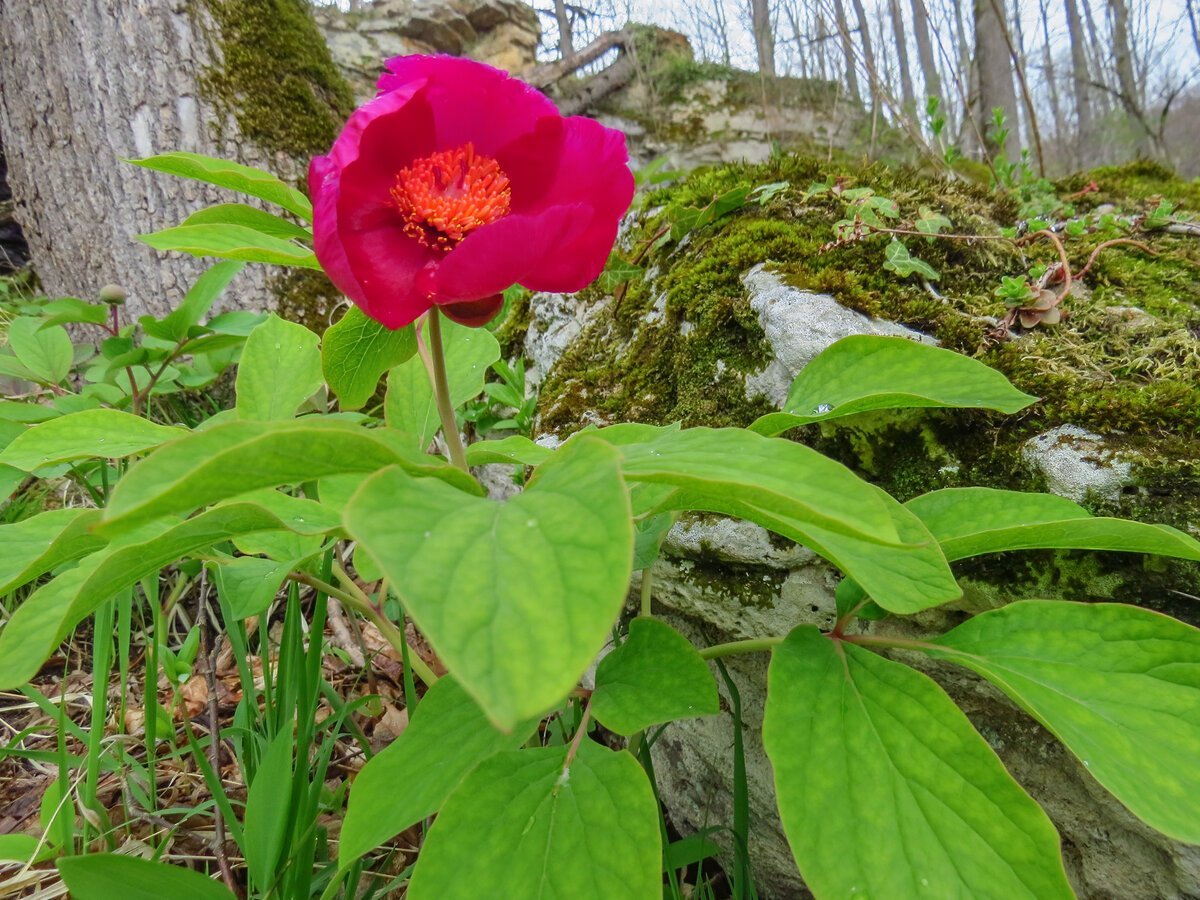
column 231, row 242
column 50, row 612
column 36, row 545
column 516, row 449
column 971, row 521
column 411, row 778
column 655, row 676
column 111, row 876
column 196, row 303
column 250, row 217
column 885, row 789
column 279, row 370
column 93, row 433
column 231, row 459
column 357, row 350
column 525, row 824
column 800, row 494
column 1120, row 686
column 869, row 372
column 410, row 405
column 516, row 597
column 234, row 176
column 46, row 352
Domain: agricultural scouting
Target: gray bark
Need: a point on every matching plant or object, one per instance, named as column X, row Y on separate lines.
column 993, row 58
column 906, row 85
column 1130, row 92
column 566, row 38
column 1081, row 82
column 84, row 84
column 929, row 70
column 843, row 28
column 764, row 38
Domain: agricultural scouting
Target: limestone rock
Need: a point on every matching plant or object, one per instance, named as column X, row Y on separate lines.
column 1077, row 464
column 799, row 324
column 502, row 33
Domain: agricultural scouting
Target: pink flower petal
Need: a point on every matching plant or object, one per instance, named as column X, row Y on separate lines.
column 504, row 253
column 470, row 101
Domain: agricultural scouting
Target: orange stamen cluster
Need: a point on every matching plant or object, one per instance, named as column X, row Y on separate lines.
column 445, row 196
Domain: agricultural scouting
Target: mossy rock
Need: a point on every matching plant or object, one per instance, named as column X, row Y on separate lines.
column 682, row 341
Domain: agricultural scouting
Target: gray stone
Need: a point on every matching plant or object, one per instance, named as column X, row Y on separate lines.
column 1077, row 464
column 799, row 324
column 556, row 320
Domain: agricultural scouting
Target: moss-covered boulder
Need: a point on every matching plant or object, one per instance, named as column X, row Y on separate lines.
column 723, row 315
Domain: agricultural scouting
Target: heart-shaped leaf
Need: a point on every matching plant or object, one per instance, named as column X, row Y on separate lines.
column 885, row 789
column 518, row 597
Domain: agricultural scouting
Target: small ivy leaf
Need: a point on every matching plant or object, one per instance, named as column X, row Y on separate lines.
column 656, row 676
column 900, row 261
column 618, row 271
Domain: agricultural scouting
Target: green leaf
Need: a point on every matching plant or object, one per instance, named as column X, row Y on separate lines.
column 525, row 826
column 111, row 876
column 885, row 789
column 248, row 217
column 357, row 350
column 93, row 433
column 235, row 457
column 25, row 411
column 46, row 352
column 36, row 545
column 269, row 795
column 618, row 271
column 517, row 449
column 49, row 613
column 1120, row 686
column 410, row 405
column 904, row 264
column 972, row 521
column 20, row 848
column 279, row 370
column 655, row 676
column 231, row 242
column 70, row 310
column 648, row 537
column 196, row 303
column 800, row 494
column 10, row 367
column 411, row 778
column 10, row 480
column 249, row 584
column 518, row 597
column 226, row 174
column 869, row 372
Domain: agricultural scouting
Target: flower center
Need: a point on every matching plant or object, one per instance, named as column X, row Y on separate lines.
column 445, row 196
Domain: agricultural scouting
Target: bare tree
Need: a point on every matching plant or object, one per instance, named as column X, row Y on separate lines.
column 764, row 37
column 1194, row 19
column 995, row 89
column 1129, row 88
column 843, row 27
column 929, row 71
column 566, row 39
column 906, row 85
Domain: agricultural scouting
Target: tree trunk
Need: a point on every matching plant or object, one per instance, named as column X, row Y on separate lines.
column 1081, row 84
column 995, row 79
column 764, row 38
column 566, row 37
column 906, row 86
column 85, row 83
column 843, row 28
column 1194, row 19
column 929, row 70
column 864, row 32
column 1127, row 82
column 1052, row 81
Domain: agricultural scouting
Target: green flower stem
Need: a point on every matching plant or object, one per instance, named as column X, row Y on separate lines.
column 441, row 390
column 899, row 643
column 647, row 591
column 355, row 599
column 752, row 645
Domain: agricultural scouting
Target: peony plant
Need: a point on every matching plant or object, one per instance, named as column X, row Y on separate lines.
column 454, row 183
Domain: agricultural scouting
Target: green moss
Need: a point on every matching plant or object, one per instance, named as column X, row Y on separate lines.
column 306, row 296
column 275, row 75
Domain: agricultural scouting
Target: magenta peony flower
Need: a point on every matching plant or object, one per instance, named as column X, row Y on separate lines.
column 458, row 181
